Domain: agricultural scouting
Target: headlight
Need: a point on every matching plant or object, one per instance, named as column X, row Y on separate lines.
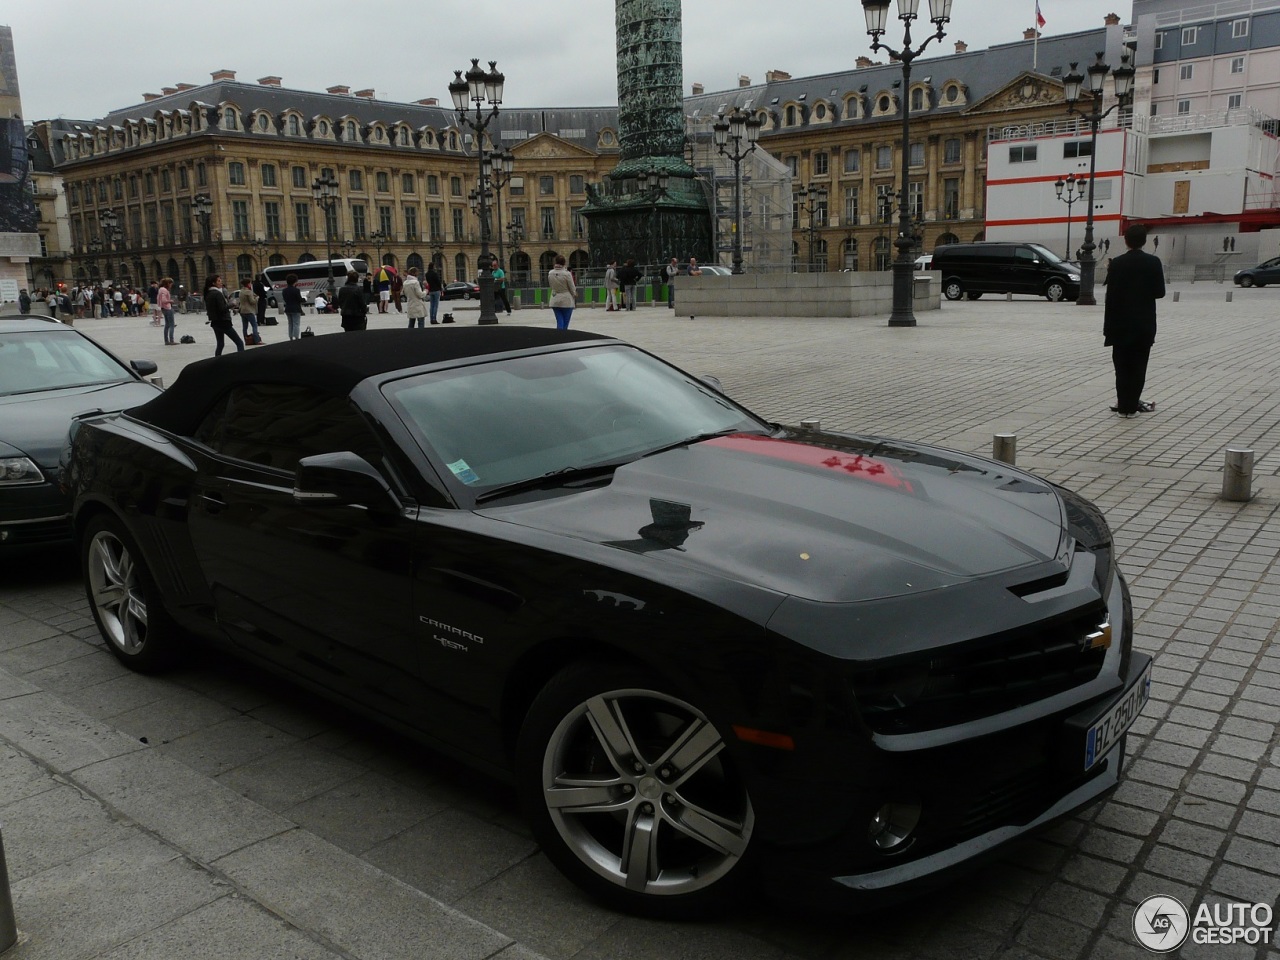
column 15, row 471
column 1073, row 277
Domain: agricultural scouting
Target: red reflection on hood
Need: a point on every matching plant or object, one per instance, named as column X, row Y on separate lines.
column 794, row 451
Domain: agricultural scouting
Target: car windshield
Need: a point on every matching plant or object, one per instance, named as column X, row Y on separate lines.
column 1046, row 253
column 37, row 360
column 513, row 420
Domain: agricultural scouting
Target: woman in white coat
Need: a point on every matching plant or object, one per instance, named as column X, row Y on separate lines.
column 564, row 293
column 415, row 300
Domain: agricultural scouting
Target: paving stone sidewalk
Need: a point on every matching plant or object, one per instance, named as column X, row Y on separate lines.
column 216, row 813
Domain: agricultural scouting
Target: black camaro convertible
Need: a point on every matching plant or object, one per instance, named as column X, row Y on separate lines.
column 707, row 649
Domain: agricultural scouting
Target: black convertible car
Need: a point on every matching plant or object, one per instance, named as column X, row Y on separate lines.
column 707, row 649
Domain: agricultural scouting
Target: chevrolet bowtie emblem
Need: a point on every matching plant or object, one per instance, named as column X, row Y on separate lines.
column 1100, row 639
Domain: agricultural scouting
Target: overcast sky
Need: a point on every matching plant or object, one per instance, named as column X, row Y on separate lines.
column 81, row 59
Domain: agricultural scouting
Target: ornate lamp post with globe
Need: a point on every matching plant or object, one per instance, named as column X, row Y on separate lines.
column 877, row 13
column 325, row 191
column 473, row 92
column 737, row 127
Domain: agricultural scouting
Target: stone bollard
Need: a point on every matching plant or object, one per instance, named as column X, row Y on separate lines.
column 1228, row 296
column 1008, row 297
column 8, row 925
column 1237, row 475
column 810, row 424
column 1176, row 295
column 1004, row 447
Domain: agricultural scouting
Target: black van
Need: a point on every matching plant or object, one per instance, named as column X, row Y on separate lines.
column 972, row 269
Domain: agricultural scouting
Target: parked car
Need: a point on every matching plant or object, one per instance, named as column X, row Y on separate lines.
column 461, row 290
column 924, row 262
column 709, row 650
column 1259, row 276
column 715, row 270
column 50, row 375
column 972, row 269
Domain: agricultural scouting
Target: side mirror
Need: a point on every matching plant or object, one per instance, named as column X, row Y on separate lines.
column 144, row 368
column 342, row 479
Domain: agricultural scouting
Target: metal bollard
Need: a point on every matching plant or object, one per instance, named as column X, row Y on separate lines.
column 1237, row 475
column 810, row 424
column 1176, row 295
column 1004, row 447
column 8, row 926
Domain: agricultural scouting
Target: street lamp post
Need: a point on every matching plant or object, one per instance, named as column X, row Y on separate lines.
column 348, row 249
column 500, row 175
column 476, row 90
column 877, row 13
column 325, row 191
column 514, row 236
column 379, row 238
column 738, row 127
column 1069, row 190
column 1072, row 85
column 437, row 254
column 812, row 200
column 95, row 248
column 260, row 248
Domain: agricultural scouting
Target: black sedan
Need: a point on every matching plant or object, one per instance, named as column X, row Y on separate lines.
column 1259, row 276
column 707, row 649
column 461, row 290
column 50, row 375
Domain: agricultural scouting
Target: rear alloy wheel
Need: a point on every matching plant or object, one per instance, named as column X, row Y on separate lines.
column 952, row 290
column 631, row 793
column 124, row 598
column 1246, row 281
column 1055, row 291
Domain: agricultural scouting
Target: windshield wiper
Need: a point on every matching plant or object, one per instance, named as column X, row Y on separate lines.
column 562, row 476
column 700, row 437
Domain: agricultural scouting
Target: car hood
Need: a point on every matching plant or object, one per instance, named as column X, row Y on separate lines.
column 825, row 517
column 37, row 423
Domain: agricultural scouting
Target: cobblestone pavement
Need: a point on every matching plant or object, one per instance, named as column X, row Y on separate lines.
column 213, row 812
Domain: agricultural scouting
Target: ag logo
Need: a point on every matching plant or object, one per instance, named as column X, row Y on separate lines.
column 1161, row 924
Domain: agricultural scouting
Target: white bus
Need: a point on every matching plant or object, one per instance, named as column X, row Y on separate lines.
column 313, row 277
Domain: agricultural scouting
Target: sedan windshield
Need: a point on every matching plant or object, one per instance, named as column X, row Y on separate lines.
column 559, row 414
column 32, row 361
column 1046, row 253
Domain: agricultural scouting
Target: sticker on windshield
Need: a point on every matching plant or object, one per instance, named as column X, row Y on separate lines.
column 463, row 472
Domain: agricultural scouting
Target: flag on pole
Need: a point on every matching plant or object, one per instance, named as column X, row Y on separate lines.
column 1039, row 15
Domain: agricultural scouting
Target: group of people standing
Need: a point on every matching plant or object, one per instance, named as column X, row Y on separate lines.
column 620, row 282
column 97, row 300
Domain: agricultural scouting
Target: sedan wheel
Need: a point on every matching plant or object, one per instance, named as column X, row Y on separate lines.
column 124, row 599
column 631, row 793
column 1246, row 281
column 1055, row 291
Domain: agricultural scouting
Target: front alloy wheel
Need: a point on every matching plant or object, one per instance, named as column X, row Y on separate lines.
column 632, row 795
column 122, row 595
column 1246, row 281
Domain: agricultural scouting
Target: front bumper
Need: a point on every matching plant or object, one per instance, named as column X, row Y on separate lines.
column 33, row 516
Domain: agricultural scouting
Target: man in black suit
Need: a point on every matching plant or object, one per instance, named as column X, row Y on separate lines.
column 1134, row 283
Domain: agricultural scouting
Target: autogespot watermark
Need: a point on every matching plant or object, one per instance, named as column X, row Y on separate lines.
column 1163, row 924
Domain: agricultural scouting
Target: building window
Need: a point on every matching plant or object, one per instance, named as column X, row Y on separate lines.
column 1186, row 71
column 548, row 215
column 150, row 182
column 184, row 179
column 240, row 219
column 411, row 223
column 850, row 206
column 852, row 160
column 434, row 224
column 1189, row 36
column 359, row 227
column 1184, row 107
column 577, row 184
column 231, row 120
column 516, row 187
column 268, row 174
column 404, row 136
column 951, row 151
column 433, row 185
column 458, row 232
column 883, row 104
column 952, row 93
column 884, row 157
column 386, row 221
column 133, row 185
column 455, row 186
column 917, row 99
column 407, row 184
column 1155, row 77
column 1159, row 41
column 1237, row 64
column 1022, row 154
column 166, row 180
column 546, row 186
column 917, row 154
column 271, row 219
column 202, row 176
column 350, row 135
column 263, row 122
column 517, row 221
column 299, row 177
column 383, row 181
column 915, row 198
column 295, row 127
column 356, row 179
column 1077, row 148
column 821, row 164
column 951, row 198
column 1233, row 101
column 331, row 223
column 1239, row 28
column 302, row 216
column 235, row 174
column 791, row 117
column 579, row 225
column 793, row 165
column 884, row 203
column 117, row 189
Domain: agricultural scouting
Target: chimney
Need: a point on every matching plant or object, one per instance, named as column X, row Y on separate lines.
column 338, row 91
column 776, row 75
column 186, row 86
column 1112, row 20
column 1030, row 33
column 365, row 94
column 223, row 75
column 166, row 91
column 961, row 47
column 697, row 90
column 148, row 97
column 744, row 80
column 863, row 62
column 270, row 81
column 428, row 102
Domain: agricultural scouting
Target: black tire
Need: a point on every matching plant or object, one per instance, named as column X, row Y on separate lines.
column 124, row 598
column 1246, row 281
column 952, row 289
column 645, row 765
column 974, row 296
column 1055, row 291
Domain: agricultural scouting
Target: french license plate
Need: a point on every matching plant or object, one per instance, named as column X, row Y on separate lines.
column 1104, row 734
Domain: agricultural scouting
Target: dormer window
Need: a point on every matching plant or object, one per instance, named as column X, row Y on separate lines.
column 231, row 120
column 263, row 123
column 295, row 127
column 351, row 130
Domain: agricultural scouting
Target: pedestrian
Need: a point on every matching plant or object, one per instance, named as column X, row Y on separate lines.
column 164, row 301
column 694, row 269
column 397, row 290
column 219, row 313
column 248, row 307
column 435, row 285
column 628, row 277
column 153, row 301
column 24, row 301
column 352, row 304
column 51, row 301
column 671, row 270
column 564, row 292
column 182, row 297
column 261, row 291
column 1135, row 283
column 384, row 289
column 291, row 297
column 80, row 300
column 415, row 300
column 611, row 286
column 500, row 286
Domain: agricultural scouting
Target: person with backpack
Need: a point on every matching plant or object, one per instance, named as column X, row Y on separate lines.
column 249, row 312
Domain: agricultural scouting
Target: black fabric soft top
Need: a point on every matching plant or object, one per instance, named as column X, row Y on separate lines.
column 335, row 363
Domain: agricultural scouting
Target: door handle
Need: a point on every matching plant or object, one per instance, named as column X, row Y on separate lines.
column 213, row 503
